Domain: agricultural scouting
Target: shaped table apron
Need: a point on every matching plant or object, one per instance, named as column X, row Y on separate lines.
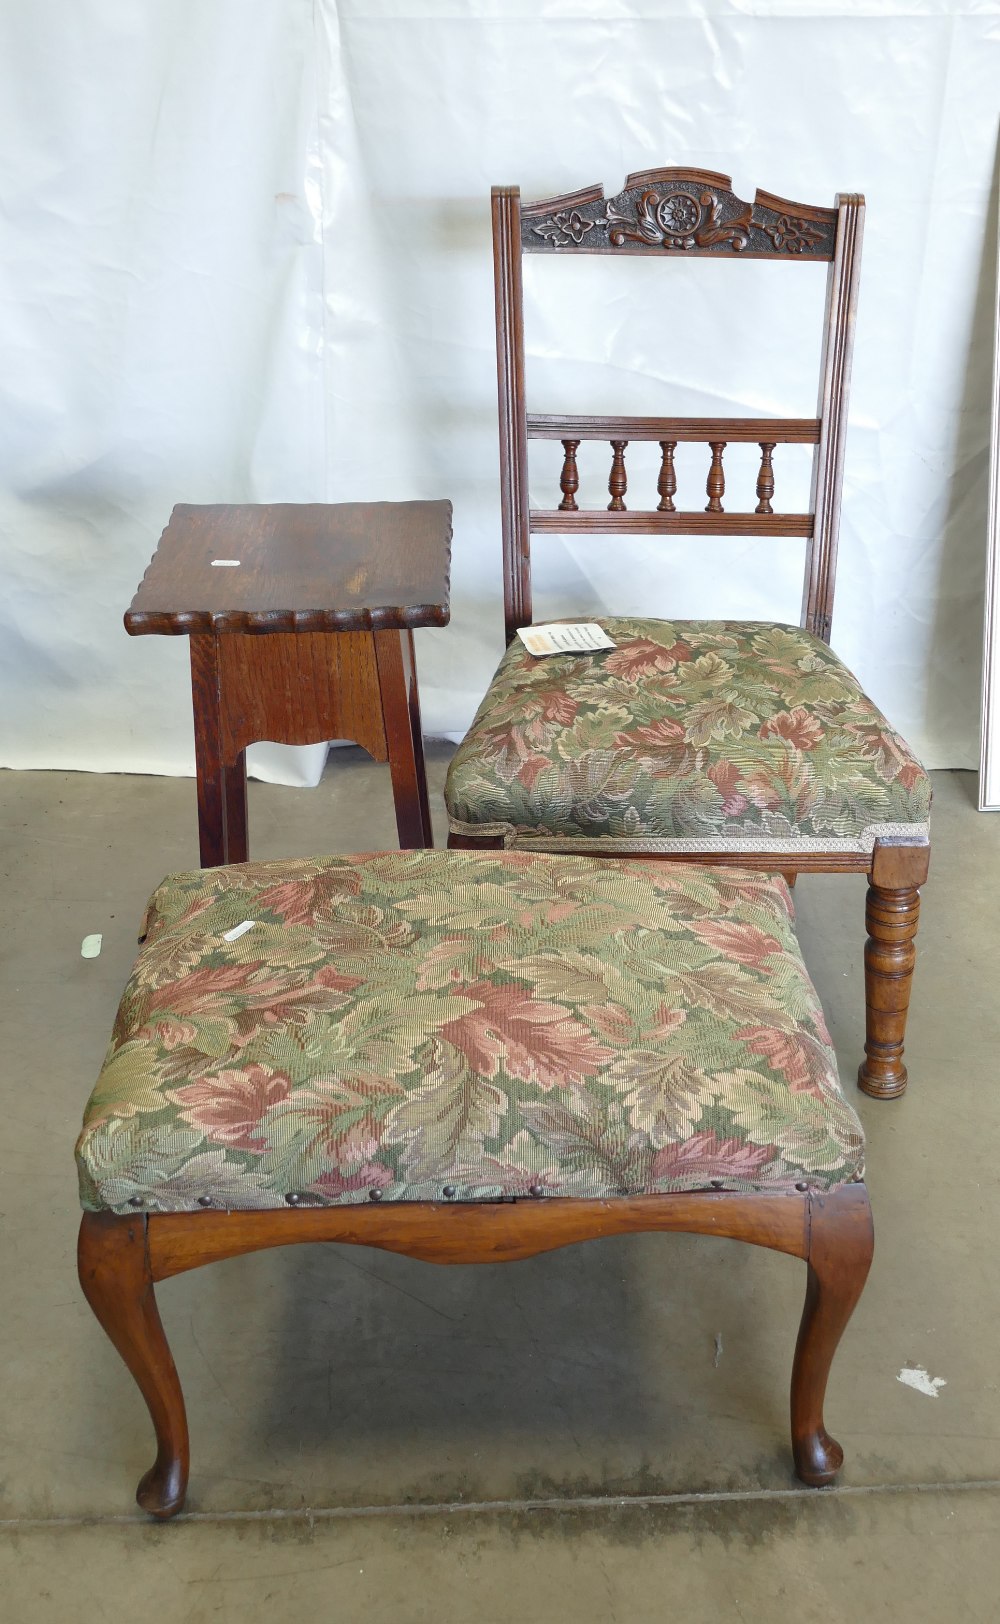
column 302, row 688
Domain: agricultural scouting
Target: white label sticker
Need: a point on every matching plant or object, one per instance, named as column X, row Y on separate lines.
column 91, row 946
column 239, row 930
column 225, row 563
column 580, row 638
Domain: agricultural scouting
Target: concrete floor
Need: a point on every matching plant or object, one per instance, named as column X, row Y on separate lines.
column 553, row 1439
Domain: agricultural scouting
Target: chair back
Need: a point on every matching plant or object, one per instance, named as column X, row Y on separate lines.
column 690, row 212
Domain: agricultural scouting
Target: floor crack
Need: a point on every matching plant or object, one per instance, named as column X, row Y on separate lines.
column 501, row 1507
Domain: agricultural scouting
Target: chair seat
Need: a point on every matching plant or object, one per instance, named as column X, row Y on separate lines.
column 697, row 735
column 467, row 1026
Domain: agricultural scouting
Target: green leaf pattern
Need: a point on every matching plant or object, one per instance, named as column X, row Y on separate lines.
column 687, row 731
column 497, row 1022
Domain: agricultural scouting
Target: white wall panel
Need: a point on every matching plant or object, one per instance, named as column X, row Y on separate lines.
column 245, row 257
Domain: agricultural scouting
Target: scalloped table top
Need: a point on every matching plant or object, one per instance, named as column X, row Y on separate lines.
column 309, row 567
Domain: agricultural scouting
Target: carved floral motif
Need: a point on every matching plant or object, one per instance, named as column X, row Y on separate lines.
column 679, row 220
column 678, row 216
column 570, row 226
column 792, row 234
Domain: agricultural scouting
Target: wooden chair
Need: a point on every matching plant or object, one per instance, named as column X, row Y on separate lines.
column 774, row 759
column 468, row 1058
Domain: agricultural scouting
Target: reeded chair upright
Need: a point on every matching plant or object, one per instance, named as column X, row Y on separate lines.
column 710, row 741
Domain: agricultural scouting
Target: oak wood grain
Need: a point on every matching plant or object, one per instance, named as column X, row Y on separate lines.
column 301, row 688
column 313, row 567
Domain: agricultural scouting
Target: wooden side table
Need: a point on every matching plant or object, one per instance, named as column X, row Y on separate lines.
column 300, row 620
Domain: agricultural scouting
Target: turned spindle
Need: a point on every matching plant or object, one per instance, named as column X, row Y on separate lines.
column 666, row 485
column 716, row 485
column 765, row 479
column 569, row 480
column 617, row 483
column 890, row 954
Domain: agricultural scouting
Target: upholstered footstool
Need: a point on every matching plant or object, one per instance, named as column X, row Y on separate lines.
column 468, row 1058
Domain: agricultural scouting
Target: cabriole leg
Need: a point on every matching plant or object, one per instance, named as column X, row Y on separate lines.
column 117, row 1283
column 841, row 1241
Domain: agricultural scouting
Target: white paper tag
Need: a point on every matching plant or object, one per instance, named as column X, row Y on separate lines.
column 90, row 947
column 225, row 563
column 581, row 638
column 238, row 930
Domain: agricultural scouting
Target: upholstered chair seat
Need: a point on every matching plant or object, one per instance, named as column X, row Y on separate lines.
column 689, row 736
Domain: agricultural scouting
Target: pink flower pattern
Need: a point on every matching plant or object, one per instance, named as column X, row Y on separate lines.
column 748, row 731
column 617, row 1026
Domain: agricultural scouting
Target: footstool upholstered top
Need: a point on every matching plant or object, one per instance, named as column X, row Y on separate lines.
column 464, row 1025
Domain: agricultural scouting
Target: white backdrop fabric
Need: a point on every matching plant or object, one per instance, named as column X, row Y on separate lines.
column 246, row 257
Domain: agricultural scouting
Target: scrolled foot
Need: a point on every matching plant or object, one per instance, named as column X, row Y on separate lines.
column 838, row 1257
column 163, row 1488
column 818, row 1459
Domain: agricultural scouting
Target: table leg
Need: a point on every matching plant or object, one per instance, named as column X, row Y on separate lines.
column 237, row 842
column 397, row 676
column 222, row 785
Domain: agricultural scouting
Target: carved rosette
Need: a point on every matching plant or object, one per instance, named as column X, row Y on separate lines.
column 679, row 220
column 678, row 216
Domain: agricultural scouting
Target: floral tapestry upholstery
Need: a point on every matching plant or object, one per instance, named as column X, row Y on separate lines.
column 464, row 1025
column 691, row 735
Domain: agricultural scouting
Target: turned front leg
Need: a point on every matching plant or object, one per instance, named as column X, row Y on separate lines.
column 890, row 954
column 117, row 1282
column 891, row 916
column 841, row 1243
